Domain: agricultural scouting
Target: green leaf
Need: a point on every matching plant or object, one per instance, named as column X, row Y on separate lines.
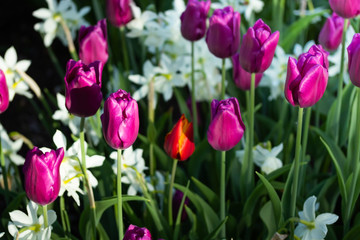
column 289, row 37
column 159, row 220
column 182, row 103
column 353, row 233
column 268, row 217
column 212, row 197
column 215, row 233
column 178, row 217
column 353, row 143
column 275, row 200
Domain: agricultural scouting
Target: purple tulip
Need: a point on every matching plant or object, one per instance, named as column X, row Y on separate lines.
column 258, row 47
column 226, row 127
column 120, row 120
column 307, row 78
column 331, row 34
column 42, row 175
column 93, row 43
column 83, row 87
column 177, row 198
column 223, row 35
column 118, row 12
column 193, row 20
column 4, row 93
column 241, row 77
column 345, row 8
column 354, row 60
column 137, row 233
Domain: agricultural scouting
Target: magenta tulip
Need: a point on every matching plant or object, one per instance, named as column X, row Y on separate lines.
column 331, row 33
column 4, row 93
column 307, row 78
column 93, row 43
column 345, row 8
column 258, row 48
column 83, row 87
column 354, row 60
column 193, row 20
column 137, row 233
column 42, row 175
column 226, row 127
column 223, row 35
column 241, row 77
column 120, row 120
column 118, row 12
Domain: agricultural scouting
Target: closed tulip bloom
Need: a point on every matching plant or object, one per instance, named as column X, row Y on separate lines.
column 241, row 77
column 120, row 120
column 258, row 47
column 83, row 87
column 223, row 35
column 93, row 43
column 226, row 127
column 193, row 19
column 42, row 175
column 307, row 78
column 137, row 233
column 331, row 33
column 4, row 93
column 354, row 60
column 345, row 8
column 179, row 142
column 118, row 12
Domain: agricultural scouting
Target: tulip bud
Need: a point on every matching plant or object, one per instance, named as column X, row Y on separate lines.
column 331, row 34
column 226, row 127
column 258, row 47
column 193, row 19
column 137, row 233
column 83, row 87
column 4, row 93
column 241, row 77
column 179, row 142
column 118, row 12
column 178, row 196
column 223, row 35
column 354, row 60
column 345, row 8
column 93, row 43
column 307, row 78
column 120, row 120
column 42, row 175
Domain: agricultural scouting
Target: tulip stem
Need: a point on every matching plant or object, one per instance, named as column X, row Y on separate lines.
column 46, row 222
column 86, row 178
column 4, row 173
column 223, row 79
column 340, row 83
column 119, row 196
column 296, row 164
column 151, row 118
column 69, row 39
column 304, row 145
column 173, row 172
column 124, row 48
column 355, row 167
column 222, row 192
column 193, row 99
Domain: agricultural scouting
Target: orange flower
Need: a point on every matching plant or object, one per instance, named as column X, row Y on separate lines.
column 179, row 142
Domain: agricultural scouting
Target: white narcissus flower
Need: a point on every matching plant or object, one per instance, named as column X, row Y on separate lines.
column 10, row 66
column 266, row 159
column 29, row 226
column 50, row 27
column 10, row 148
column 132, row 167
column 310, row 226
column 70, row 168
column 2, row 234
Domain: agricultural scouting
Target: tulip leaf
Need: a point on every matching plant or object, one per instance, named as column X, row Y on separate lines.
column 193, row 219
column 212, row 197
column 182, row 103
column 205, row 212
column 215, row 233
column 353, row 233
column 267, row 215
column 180, row 211
column 275, row 200
column 159, row 220
column 289, row 37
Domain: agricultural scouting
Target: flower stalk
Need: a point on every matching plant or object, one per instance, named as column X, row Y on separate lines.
column 4, row 172
column 124, row 48
column 46, row 222
column 193, row 99
column 119, row 195
column 173, row 172
column 223, row 80
column 69, row 39
column 222, row 192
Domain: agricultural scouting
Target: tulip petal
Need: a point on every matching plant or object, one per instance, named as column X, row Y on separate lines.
column 292, row 74
column 268, row 51
column 354, row 69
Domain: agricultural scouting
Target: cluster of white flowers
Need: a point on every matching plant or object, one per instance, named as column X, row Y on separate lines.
column 264, row 157
column 11, row 67
column 132, row 168
column 10, row 148
column 65, row 10
column 246, row 7
column 29, row 226
column 70, row 168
